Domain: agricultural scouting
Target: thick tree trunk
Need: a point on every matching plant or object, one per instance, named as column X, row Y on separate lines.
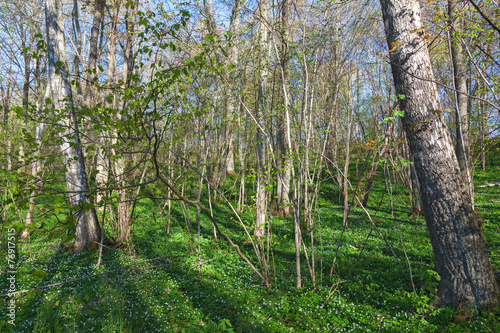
column 467, row 279
column 87, row 226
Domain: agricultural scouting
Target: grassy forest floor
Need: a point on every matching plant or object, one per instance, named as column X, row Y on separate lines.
column 162, row 290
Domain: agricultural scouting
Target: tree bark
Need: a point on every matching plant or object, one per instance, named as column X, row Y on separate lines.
column 122, row 163
column 93, row 50
column 77, row 35
column 467, row 279
column 461, row 98
column 285, row 172
column 260, row 194
column 416, row 203
column 87, row 226
column 35, row 168
column 232, row 52
column 241, row 156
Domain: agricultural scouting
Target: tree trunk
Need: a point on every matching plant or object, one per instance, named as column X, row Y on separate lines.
column 260, row 194
column 285, row 173
column 122, row 163
column 241, row 156
column 461, row 98
column 346, row 166
column 27, row 73
column 416, row 203
column 35, row 168
column 93, row 50
column 231, row 101
column 467, row 279
column 87, row 226
column 102, row 158
column 77, row 35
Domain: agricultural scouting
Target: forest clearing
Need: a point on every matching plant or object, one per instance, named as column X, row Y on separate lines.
column 250, row 166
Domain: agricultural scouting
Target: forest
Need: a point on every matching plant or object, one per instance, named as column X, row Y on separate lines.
column 250, row 166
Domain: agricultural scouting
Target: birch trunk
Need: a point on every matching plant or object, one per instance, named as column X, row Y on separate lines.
column 260, row 194
column 87, row 226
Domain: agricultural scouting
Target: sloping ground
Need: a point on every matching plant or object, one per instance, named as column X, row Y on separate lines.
column 160, row 289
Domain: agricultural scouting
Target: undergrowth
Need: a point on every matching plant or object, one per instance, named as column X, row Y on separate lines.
column 160, row 288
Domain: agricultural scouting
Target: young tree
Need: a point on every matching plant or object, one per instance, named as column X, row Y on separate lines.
column 467, row 279
column 460, row 84
column 260, row 192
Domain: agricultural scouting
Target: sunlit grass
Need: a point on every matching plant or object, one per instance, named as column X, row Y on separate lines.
column 169, row 295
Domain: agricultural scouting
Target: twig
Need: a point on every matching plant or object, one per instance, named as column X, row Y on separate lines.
column 330, row 292
column 484, row 16
column 489, row 185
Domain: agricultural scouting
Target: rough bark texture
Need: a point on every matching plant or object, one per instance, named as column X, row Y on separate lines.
column 461, row 259
column 87, row 226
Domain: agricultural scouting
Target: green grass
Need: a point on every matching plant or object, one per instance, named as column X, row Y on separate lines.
column 169, row 295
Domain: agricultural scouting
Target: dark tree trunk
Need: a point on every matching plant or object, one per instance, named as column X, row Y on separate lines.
column 467, row 279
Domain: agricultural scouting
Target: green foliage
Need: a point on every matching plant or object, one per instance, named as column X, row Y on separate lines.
column 162, row 289
column 169, row 295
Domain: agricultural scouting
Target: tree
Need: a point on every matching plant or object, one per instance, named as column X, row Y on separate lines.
column 460, row 85
column 260, row 192
column 467, row 279
column 284, row 162
column 87, row 226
